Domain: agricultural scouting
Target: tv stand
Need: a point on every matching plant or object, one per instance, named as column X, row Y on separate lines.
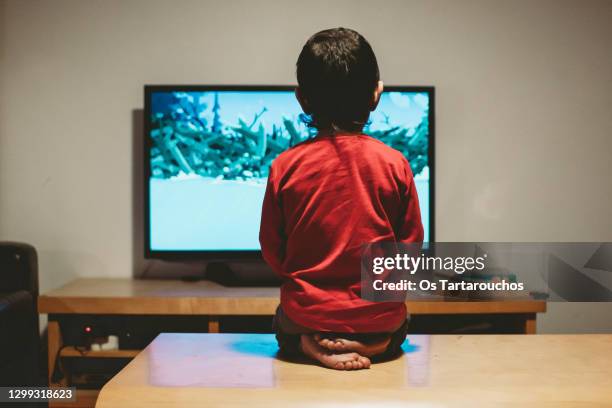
column 224, row 274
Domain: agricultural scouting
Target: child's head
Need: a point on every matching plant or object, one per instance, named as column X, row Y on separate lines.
column 338, row 80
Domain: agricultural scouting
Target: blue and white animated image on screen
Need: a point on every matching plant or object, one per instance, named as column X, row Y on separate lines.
column 211, row 151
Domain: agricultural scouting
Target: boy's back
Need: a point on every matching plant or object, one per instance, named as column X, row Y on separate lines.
column 325, row 199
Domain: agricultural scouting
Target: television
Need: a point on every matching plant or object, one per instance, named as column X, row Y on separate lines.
column 208, row 149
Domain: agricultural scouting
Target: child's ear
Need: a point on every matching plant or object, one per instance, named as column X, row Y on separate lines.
column 303, row 102
column 377, row 92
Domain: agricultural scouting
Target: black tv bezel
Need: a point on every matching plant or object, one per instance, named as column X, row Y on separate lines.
column 255, row 254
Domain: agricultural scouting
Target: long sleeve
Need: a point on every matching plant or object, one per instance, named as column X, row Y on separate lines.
column 410, row 228
column 271, row 230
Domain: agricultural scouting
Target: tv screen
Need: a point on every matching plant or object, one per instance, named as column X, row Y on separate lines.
column 208, row 150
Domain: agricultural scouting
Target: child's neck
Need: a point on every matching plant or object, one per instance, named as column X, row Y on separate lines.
column 334, row 132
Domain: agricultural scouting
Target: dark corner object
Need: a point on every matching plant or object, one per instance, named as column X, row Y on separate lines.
column 19, row 331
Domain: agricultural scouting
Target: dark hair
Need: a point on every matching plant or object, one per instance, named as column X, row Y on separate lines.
column 337, row 73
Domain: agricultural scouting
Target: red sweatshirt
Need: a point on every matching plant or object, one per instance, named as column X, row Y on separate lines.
column 325, row 198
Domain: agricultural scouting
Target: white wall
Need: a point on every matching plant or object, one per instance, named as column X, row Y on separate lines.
column 524, row 103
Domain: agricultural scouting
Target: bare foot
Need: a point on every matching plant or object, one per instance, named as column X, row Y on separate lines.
column 340, row 345
column 341, row 361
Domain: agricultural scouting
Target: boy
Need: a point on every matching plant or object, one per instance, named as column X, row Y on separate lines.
column 328, row 196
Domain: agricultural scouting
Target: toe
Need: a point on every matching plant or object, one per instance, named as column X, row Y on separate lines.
column 323, row 341
column 365, row 362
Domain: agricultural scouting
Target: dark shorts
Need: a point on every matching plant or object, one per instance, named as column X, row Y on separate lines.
column 288, row 338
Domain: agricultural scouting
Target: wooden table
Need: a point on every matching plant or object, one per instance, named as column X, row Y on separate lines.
column 174, row 297
column 231, row 370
